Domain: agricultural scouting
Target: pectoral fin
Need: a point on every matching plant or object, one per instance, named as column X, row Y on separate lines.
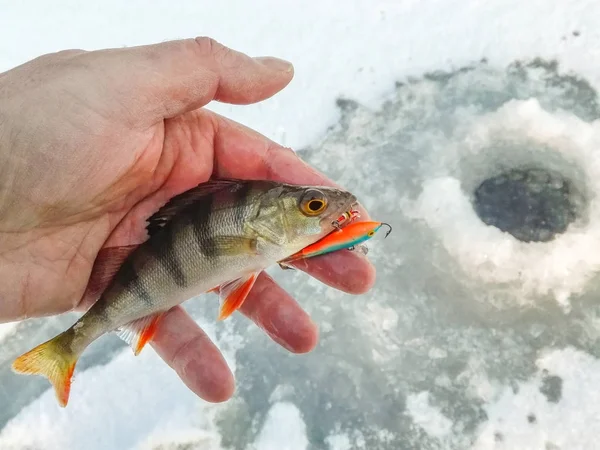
column 233, row 294
column 139, row 332
column 235, row 245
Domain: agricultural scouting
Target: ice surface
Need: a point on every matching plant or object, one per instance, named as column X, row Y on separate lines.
column 127, row 404
column 283, row 429
column 6, row 329
column 517, row 134
column 470, row 339
column 571, row 421
column 426, row 416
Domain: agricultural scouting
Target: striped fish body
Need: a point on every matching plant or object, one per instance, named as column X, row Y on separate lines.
column 219, row 235
column 198, row 250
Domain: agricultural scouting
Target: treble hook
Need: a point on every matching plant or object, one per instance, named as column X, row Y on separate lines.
column 390, row 229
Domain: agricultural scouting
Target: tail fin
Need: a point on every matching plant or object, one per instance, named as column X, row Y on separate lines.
column 53, row 359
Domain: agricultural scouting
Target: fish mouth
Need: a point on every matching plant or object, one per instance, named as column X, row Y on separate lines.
column 352, row 201
column 350, row 205
column 353, row 205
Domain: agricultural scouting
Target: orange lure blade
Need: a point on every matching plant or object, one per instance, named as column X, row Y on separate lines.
column 343, row 238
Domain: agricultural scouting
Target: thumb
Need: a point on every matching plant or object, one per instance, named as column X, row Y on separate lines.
column 164, row 80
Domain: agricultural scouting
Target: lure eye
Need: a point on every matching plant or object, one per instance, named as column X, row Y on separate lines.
column 313, row 203
column 371, row 233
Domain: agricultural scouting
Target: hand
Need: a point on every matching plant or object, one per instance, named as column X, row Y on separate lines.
column 92, row 143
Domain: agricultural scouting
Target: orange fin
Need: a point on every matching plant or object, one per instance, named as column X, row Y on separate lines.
column 107, row 264
column 233, row 294
column 54, row 360
column 139, row 332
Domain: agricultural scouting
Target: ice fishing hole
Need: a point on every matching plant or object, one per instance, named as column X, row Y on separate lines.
column 532, row 204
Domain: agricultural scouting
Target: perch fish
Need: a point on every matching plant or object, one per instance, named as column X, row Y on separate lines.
column 217, row 236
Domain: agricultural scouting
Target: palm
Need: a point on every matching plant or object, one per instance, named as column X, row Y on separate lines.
column 169, row 157
column 98, row 169
column 174, row 155
column 128, row 185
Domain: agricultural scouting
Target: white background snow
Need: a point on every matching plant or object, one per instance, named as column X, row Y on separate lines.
column 354, row 49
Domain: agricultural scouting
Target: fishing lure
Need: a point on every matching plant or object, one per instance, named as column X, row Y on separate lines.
column 344, row 219
column 348, row 237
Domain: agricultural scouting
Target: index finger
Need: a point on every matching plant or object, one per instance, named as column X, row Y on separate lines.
column 170, row 78
column 241, row 152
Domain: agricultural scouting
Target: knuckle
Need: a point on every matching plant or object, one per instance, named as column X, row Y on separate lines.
column 209, row 48
column 65, row 54
column 60, row 57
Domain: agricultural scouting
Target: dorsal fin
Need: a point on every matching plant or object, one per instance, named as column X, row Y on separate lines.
column 175, row 205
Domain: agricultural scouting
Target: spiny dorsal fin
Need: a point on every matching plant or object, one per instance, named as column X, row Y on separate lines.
column 178, row 203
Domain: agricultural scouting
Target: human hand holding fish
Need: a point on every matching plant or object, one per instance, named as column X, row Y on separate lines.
column 92, row 144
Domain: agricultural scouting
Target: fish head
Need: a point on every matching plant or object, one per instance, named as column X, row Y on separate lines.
column 301, row 215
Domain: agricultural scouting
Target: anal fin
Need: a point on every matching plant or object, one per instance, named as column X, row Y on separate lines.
column 139, row 332
column 233, row 293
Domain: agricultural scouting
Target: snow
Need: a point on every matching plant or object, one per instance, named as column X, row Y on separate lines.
column 428, row 360
column 358, row 48
column 283, row 429
column 7, row 329
column 546, row 426
column 426, row 416
column 136, row 394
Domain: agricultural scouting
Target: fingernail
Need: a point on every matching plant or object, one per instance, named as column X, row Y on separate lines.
column 281, row 65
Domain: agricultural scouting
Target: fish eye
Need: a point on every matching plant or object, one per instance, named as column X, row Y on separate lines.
column 316, row 205
column 313, row 203
column 371, row 233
